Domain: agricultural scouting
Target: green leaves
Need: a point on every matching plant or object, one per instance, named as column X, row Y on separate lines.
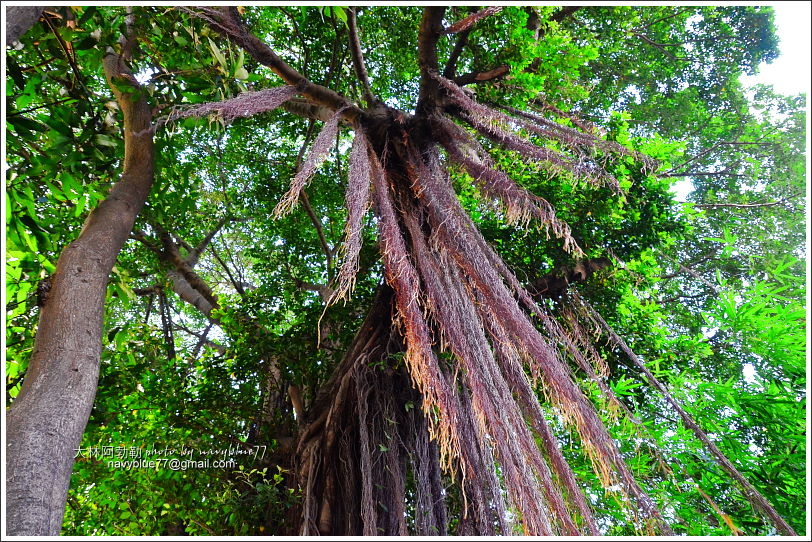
column 659, row 79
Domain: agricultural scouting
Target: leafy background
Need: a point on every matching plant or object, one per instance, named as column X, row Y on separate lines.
column 710, row 293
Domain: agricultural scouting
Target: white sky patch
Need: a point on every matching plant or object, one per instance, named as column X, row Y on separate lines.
column 682, row 188
column 145, row 76
column 749, row 373
column 790, row 72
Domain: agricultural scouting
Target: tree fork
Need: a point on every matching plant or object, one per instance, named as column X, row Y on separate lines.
column 47, row 419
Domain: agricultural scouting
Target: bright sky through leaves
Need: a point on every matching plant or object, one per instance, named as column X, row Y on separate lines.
column 789, row 73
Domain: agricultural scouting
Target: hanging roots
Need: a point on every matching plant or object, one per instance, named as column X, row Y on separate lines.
column 453, row 294
column 246, row 104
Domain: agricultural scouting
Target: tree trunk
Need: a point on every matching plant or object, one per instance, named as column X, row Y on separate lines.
column 19, row 19
column 365, row 446
column 47, row 419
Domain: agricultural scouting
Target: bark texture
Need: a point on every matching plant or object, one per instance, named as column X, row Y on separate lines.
column 47, row 419
column 19, row 19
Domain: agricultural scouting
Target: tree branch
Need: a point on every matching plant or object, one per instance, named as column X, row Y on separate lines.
column 471, row 20
column 740, row 205
column 750, row 492
column 430, row 28
column 697, row 276
column 195, row 253
column 181, row 266
column 450, row 70
column 45, row 423
column 564, row 12
column 227, row 21
column 319, row 230
column 203, row 339
column 237, row 284
column 358, row 57
column 481, row 77
column 323, row 290
column 553, row 285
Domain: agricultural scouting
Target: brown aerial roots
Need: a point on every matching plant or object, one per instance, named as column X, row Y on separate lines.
column 453, row 296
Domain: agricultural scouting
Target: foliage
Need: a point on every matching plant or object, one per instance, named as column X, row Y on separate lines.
column 709, row 293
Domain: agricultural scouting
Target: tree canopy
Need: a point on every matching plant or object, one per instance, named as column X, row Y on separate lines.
column 402, row 270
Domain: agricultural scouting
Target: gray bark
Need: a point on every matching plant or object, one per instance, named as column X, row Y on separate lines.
column 47, row 419
column 19, row 19
column 187, row 293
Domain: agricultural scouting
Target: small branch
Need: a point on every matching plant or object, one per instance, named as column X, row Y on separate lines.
column 660, row 46
column 450, row 70
column 696, row 275
column 237, row 284
column 652, row 23
column 725, row 171
column 739, row 205
column 195, row 253
column 677, row 298
column 306, row 201
column 481, row 77
column 654, row 43
column 706, row 256
column 68, row 54
column 358, row 57
column 302, row 40
column 57, row 102
column 471, row 20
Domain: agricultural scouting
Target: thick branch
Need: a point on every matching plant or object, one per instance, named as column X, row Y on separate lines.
column 227, row 21
column 430, row 28
column 481, row 77
column 358, row 57
column 554, row 285
column 323, row 290
column 308, row 110
column 471, row 20
column 184, row 270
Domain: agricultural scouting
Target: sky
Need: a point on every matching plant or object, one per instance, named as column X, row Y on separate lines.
column 790, row 72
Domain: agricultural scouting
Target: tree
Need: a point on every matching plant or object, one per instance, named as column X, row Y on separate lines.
column 449, row 407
